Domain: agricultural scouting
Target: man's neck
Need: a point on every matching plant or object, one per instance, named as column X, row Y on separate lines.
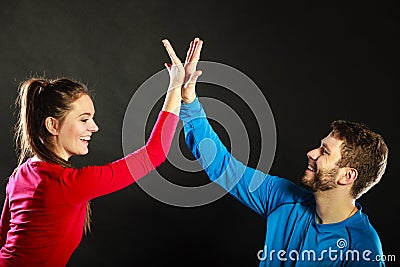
column 334, row 206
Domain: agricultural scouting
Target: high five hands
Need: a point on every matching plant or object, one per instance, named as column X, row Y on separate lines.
column 184, row 76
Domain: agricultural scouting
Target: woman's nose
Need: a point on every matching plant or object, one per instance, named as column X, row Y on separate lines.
column 93, row 127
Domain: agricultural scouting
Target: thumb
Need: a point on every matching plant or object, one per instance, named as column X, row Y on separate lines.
column 193, row 78
column 168, row 66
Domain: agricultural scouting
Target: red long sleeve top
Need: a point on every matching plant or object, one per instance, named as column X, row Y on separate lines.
column 44, row 210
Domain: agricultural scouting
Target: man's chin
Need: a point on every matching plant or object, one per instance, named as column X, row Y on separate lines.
column 309, row 183
column 315, row 184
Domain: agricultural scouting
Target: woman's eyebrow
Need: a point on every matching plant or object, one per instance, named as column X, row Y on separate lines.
column 85, row 113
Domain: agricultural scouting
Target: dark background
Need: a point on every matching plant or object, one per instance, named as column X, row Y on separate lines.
column 313, row 65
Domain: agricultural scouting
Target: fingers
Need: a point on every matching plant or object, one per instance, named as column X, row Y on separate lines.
column 193, row 54
column 196, row 54
column 175, row 60
column 167, row 65
column 191, row 50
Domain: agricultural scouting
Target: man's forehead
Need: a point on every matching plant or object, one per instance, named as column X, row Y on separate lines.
column 331, row 140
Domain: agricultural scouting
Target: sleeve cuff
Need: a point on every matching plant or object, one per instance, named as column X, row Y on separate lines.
column 191, row 110
column 164, row 113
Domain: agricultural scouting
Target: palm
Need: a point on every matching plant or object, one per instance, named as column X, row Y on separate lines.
column 176, row 70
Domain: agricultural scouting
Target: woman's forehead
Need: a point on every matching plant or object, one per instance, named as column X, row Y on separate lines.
column 83, row 104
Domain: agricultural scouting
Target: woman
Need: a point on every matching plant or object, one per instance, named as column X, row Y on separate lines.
column 46, row 206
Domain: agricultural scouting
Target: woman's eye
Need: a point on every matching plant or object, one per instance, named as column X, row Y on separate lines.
column 84, row 120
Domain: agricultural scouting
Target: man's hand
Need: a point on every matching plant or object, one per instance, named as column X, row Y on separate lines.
column 191, row 74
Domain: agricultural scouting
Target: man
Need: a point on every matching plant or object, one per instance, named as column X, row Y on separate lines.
column 322, row 225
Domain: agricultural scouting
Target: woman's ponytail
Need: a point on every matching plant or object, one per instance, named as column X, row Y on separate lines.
column 27, row 131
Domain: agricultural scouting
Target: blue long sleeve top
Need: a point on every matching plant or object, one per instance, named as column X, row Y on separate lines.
column 293, row 236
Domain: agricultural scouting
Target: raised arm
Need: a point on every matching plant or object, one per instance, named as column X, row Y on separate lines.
column 259, row 191
column 89, row 182
column 221, row 167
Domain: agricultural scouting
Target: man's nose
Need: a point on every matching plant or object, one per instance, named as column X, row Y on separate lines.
column 314, row 154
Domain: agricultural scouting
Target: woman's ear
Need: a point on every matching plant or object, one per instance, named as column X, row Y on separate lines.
column 52, row 125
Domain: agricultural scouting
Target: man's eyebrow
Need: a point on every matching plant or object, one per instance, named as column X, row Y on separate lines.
column 323, row 144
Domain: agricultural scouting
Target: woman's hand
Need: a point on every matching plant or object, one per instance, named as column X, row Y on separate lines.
column 172, row 102
column 176, row 70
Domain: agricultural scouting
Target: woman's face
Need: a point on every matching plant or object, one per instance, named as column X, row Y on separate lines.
column 74, row 133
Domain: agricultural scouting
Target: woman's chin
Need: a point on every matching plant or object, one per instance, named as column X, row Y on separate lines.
column 82, row 152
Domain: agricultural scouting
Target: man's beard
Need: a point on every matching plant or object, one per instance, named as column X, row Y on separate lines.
column 322, row 181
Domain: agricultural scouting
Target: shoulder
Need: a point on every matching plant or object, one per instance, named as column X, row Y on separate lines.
column 42, row 171
column 364, row 235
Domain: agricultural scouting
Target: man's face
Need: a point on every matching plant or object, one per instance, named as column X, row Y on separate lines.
column 322, row 170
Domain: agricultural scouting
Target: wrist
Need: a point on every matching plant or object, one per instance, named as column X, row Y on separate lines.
column 188, row 100
column 174, row 85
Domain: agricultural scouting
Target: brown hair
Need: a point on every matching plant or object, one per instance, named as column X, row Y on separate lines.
column 363, row 150
column 38, row 99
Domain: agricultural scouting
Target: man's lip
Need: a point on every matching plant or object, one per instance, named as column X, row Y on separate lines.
column 311, row 168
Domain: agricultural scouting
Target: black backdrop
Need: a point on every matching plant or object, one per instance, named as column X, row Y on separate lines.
column 313, row 66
